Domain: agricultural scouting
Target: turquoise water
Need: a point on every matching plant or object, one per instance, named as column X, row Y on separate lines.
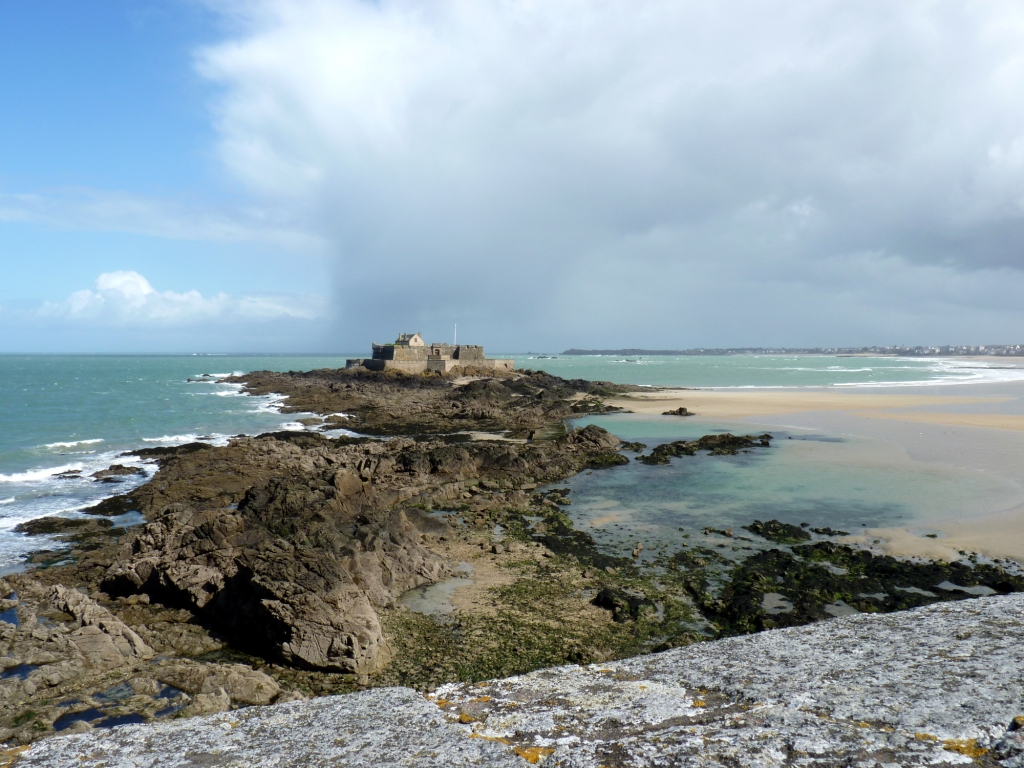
column 67, row 414
column 825, row 480
column 59, row 414
column 770, row 370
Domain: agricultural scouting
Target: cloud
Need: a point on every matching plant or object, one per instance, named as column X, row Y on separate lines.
column 612, row 171
column 126, row 299
column 101, row 210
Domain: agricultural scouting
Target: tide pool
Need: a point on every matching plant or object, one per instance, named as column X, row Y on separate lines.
column 824, row 480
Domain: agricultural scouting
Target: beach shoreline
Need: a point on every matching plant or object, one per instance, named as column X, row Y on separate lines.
column 978, row 427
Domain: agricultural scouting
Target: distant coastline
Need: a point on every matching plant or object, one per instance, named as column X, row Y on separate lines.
column 984, row 350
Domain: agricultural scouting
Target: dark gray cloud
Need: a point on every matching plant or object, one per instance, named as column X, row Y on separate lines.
column 665, row 174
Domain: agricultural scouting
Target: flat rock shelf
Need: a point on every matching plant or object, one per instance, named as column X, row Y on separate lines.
column 939, row 685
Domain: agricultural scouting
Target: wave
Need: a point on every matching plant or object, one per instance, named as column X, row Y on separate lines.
column 11, row 500
column 214, row 438
column 35, row 475
column 190, row 437
column 269, row 403
column 70, row 443
column 216, row 375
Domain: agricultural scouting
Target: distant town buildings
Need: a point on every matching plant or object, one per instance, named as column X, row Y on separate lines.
column 411, row 354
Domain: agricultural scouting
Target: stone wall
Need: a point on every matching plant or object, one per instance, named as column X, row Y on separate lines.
column 421, row 359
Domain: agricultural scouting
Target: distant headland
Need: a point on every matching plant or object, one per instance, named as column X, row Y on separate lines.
column 998, row 350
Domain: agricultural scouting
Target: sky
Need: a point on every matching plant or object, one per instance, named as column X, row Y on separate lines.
column 310, row 175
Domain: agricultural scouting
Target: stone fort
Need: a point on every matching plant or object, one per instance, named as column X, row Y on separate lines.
column 410, row 354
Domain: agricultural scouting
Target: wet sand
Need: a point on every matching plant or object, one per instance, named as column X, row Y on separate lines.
column 747, row 403
column 977, row 428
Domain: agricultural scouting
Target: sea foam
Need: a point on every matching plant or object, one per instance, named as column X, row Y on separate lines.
column 35, row 475
column 70, row 443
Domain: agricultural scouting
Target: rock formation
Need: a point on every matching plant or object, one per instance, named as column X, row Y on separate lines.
column 939, row 685
column 296, row 550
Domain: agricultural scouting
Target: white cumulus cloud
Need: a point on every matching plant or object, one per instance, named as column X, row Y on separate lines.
column 127, row 298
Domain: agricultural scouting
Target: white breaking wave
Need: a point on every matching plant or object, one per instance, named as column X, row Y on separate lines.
column 35, row 475
column 11, row 500
column 270, row 403
column 190, row 438
column 948, row 372
column 74, row 442
column 214, row 438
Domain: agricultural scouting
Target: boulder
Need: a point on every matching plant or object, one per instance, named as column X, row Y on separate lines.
column 680, row 411
column 208, row 703
column 241, row 683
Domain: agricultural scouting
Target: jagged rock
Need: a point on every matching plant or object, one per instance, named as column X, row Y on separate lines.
column 102, row 637
column 117, row 470
column 304, row 538
column 48, row 526
column 719, row 445
column 394, row 403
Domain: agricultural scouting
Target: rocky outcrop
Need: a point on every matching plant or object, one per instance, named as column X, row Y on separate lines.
column 718, row 445
column 292, row 543
column 314, row 607
column 394, row 403
column 939, row 685
column 115, row 471
column 102, row 638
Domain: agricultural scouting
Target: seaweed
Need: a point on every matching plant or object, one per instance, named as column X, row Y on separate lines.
column 779, row 532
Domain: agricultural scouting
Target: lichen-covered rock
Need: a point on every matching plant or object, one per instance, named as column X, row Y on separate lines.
column 940, row 685
column 373, row 729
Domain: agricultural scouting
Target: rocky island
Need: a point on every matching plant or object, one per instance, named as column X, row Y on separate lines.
column 277, row 568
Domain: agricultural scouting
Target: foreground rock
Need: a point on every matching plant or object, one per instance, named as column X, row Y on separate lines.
column 939, row 685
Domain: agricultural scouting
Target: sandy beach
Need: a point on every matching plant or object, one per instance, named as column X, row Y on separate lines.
column 956, row 429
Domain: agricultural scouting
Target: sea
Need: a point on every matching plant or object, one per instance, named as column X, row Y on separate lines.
column 63, row 418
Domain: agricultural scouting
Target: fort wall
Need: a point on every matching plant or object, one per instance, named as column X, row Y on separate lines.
column 410, row 354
